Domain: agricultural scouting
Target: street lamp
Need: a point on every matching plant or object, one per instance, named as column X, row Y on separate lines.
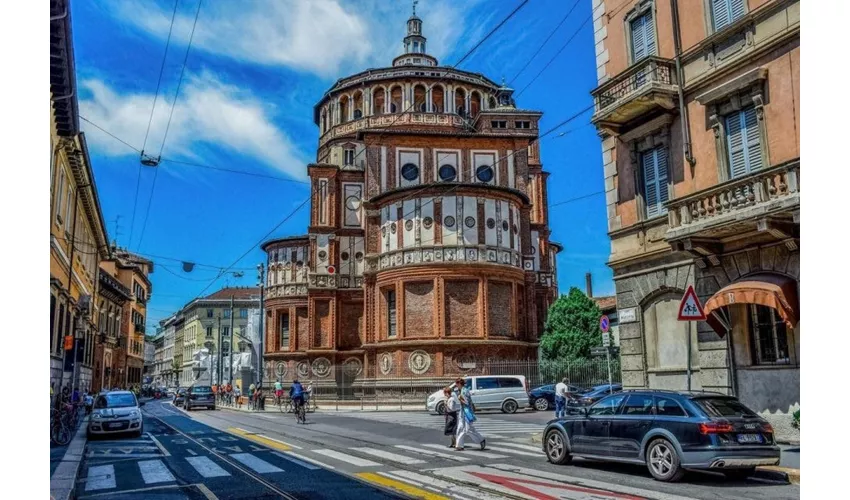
column 261, row 280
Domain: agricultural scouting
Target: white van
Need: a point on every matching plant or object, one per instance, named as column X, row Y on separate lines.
column 507, row 393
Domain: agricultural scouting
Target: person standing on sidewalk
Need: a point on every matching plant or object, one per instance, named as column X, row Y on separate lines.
column 452, row 411
column 561, row 398
column 466, row 418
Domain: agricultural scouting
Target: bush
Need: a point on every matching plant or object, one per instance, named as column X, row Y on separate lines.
column 796, row 422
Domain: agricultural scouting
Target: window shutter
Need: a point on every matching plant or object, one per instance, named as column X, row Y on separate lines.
column 720, row 14
column 638, row 40
column 649, row 34
column 650, row 182
column 736, row 10
column 754, row 157
column 661, row 175
column 735, row 141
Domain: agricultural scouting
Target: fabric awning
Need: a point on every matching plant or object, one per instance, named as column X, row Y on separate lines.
column 777, row 292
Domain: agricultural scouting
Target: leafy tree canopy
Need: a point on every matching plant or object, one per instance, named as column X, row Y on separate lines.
column 572, row 327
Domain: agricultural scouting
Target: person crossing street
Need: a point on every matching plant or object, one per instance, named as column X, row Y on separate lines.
column 466, row 418
column 561, row 398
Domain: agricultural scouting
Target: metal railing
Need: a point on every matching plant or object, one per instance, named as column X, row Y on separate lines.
column 645, row 72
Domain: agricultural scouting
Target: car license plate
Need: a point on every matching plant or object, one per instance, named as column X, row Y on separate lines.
column 749, row 438
column 113, row 425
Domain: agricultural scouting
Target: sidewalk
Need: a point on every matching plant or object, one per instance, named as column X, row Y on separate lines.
column 332, row 407
column 63, row 476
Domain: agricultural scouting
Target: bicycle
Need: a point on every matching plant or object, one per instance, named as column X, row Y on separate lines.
column 285, row 405
column 59, row 432
column 301, row 413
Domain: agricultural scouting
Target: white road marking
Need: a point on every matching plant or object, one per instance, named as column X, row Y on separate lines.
column 432, row 453
column 310, row 460
column 158, row 445
column 361, row 462
column 472, row 450
column 258, row 465
column 190, row 450
column 296, row 461
column 279, row 441
column 454, row 488
column 389, row 456
column 526, row 447
column 100, row 477
column 207, row 467
column 154, row 471
column 515, row 452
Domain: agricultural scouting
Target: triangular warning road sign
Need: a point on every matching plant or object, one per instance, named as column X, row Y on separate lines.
column 690, row 309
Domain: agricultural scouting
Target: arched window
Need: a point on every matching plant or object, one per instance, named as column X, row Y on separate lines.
column 395, row 100
column 474, row 104
column 379, row 99
column 460, row 102
column 437, row 97
column 419, row 98
column 358, row 105
column 324, row 121
column 492, row 102
column 343, row 109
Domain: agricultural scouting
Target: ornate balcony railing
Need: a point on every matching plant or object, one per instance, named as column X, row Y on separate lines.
column 651, row 73
column 760, row 192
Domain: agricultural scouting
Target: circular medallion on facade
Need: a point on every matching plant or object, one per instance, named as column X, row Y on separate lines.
column 469, row 221
column 352, row 203
column 352, row 366
column 419, row 362
column 321, row 367
column 322, row 255
column 386, row 363
column 491, row 223
column 504, row 225
column 408, row 224
column 343, row 255
column 409, row 171
column 303, row 369
column 447, row 173
column 484, row 173
column 392, row 228
column 449, row 221
column 358, row 256
column 280, row 369
column 427, row 222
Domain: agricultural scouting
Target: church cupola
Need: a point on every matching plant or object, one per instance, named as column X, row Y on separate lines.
column 505, row 96
column 415, row 53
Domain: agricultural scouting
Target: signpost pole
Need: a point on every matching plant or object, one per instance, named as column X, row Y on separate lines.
column 604, row 325
column 690, row 326
column 690, row 310
column 608, row 358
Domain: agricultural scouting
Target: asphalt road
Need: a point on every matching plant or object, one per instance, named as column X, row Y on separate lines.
column 366, row 455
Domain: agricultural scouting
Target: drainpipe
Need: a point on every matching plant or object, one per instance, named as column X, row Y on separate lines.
column 683, row 111
column 60, row 16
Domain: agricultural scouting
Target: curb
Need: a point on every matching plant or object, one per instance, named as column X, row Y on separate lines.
column 775, row 473
column 64, row 478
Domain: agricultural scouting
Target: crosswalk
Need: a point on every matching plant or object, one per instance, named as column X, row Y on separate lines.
column 487, row 425
column 162, row 471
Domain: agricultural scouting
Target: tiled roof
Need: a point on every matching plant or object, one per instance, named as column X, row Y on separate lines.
column 606, row 303
column 237, row 292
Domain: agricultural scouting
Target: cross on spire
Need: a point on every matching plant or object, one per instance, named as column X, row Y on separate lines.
column 414, row 6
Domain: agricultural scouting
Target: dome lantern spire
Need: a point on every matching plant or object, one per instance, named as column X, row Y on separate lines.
column 415, row 53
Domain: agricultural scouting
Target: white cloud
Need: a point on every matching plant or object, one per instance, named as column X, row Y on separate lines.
column 208, row 113
column 329, row 38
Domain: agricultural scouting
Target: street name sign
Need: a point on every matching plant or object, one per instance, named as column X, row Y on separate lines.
column 690, row 309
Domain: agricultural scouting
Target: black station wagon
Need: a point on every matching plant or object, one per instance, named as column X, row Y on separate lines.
column 668, row 431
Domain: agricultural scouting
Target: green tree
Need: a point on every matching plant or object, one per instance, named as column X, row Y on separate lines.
column 572, row 327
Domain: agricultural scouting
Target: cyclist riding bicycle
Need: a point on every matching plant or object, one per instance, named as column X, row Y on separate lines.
column 278, row 391
column 296, row 394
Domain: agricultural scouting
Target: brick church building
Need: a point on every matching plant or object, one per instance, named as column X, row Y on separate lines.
column 428, row 248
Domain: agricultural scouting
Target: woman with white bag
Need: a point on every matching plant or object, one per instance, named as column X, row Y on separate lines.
column 466, row 418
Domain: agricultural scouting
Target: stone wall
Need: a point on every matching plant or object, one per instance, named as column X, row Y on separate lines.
column 499, row 309
column 419, row 309
column 461, row 308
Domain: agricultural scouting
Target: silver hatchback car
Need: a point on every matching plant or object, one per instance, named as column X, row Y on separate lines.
column 116, row 412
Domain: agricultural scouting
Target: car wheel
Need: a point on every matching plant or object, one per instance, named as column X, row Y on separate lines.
column 663, row 461
column 739, row 474
column 441, row 408
column 557, row 451
column 509, row 406
column 540, row 404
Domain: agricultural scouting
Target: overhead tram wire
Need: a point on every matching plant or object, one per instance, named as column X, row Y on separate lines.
column 168, row 124
column 150, row 120
column 316, row 189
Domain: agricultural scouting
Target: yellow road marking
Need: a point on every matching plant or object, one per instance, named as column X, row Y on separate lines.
column 399, row 486
column 259, row 438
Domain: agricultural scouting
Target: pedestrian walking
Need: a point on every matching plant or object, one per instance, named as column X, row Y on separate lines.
column 452, row 410
column 466, row 419
column 561, row 398
column 89, row 400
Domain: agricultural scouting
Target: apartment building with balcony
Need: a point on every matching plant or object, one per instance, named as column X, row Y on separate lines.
column 698, row 108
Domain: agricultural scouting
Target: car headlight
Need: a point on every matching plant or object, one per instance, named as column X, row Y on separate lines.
column 135, row 414
column 430, row 398
column 95, row 416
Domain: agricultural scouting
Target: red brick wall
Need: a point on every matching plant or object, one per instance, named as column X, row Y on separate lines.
column 419, row 309
column 302, row 326
column 461, row 308
column 322, row 310
column 499, row 309
column 350, row 325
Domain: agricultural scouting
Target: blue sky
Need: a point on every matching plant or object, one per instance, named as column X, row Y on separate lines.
column 253, row 73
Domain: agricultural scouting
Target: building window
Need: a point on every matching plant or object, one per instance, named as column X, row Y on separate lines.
column 447, row 172
column 391, row 323
column 743, row 142
column 726, row 12
column 642, row 36
column 498, row 123
column 769, row 336
column 522, row 124
column 209, row 313
column 348, row 156
column 227, row 311
column 209, row 332
column 654, row 169
column 284, row 332
column 225, row 331
column 410, row 171
column 484, row 173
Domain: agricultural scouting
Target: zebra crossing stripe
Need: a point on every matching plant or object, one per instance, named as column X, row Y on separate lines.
column 432, row 453
column 296, row 461
column 310, row 460
column 256, row 464
column 206, row 467
column 525, row 447
column 154, row 471
column 516, row 452
column 361, row 462
column 473, row 451
column 389, row 456
column 100, row 477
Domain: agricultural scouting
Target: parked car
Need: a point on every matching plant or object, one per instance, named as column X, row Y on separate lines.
column 507, row 393
column 593, row 395
column 199, row 395
column 115, row 412
column 543, row 398
column 179, row 396
column 668, row 431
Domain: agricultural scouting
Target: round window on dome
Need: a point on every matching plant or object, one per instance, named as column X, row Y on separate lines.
column 484, row 173
column 322, row 254
column 448, row 173
column 358, row 256
column 427, row 222
column 504, row 225
column 469, row 221
column 491, row 223
column 343, row 256
column 410, row 171
column 408, row 224
column 449, row 221
column 392, row 228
